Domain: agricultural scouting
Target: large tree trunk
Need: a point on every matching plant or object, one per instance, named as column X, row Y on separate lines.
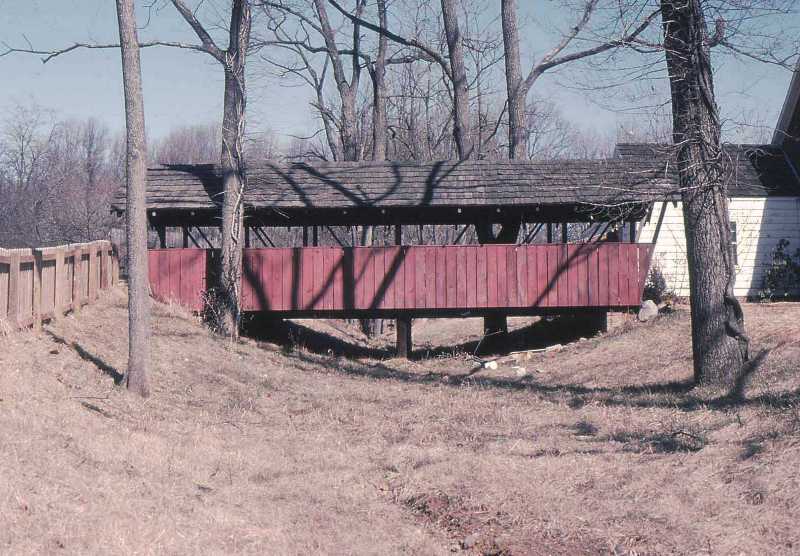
column 455, row 46
column 136, row 209
column 233, row 172
column 517, row 92
column 718, row 342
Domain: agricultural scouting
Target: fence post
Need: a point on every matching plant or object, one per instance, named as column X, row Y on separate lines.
column 92, row 277
column 60, row 280
column 105, row 279
column 114, row 265
column 77, row 279
column 13, row 289
column 37, row 289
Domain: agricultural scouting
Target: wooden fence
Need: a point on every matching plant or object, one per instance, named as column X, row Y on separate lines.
column 41, row 284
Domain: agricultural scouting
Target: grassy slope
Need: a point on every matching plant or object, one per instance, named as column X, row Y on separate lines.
column 244, row 448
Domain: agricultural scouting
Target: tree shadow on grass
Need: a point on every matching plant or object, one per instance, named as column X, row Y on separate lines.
column 540, row 334
column 667, row 395
column 90, row 357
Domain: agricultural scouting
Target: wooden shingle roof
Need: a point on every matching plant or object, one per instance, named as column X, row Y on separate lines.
column 414, row 185
column 751, row 170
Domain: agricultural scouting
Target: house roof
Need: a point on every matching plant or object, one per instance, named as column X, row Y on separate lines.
column 751, row 170
column 789, row 120
column 390, row 185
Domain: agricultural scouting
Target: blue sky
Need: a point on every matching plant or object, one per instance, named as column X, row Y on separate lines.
column 182, row 87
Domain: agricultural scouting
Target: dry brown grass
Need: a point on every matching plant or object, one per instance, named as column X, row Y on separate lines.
column 248, row 448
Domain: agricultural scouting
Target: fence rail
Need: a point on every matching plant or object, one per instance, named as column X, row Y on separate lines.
column 41, row 284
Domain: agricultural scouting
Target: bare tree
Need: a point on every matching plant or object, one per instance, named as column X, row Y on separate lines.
column 136, row 210
column 233, row 60
column 378, row 74
column 718, row 340
column 191, row 144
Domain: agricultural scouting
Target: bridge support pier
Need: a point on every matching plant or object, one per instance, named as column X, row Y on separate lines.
column 403, row 329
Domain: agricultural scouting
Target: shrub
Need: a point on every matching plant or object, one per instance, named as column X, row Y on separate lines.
column 782, row 278
column 655, row 287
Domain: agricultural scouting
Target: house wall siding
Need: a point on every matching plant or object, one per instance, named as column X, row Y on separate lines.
column 760, row 223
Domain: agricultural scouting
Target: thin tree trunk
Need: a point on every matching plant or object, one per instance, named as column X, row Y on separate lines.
column 233, row 172
column 135, row 378
column 517, row 92
column 719, row 344
column 455, row 46
column 379, row 91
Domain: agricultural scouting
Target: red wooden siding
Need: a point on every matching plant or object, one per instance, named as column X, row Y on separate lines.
column 417, row 277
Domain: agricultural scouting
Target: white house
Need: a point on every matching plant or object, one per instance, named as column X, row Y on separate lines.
column 764, row 189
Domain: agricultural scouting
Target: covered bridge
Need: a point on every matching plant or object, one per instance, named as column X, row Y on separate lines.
column 541, row 267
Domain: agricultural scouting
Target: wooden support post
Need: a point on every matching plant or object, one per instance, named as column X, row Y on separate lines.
column 398, row 234
column 305, row 236
column 105, row 267
column 13, row 289
column 161, row 230
column 36, row 302
column 403, row 328
column 114, row 265
column 77, row 280
column 315, row 236
column 185, row 231
column 92, row 279
column 549, row 232
column 564, row 237
column 632, row 233
column 60, row 284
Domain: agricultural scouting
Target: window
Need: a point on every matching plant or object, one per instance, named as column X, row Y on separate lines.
column 734, row 244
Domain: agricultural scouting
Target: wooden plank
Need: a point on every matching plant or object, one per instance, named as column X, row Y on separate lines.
column 491, row 275
column 91, row 293
column 4, row 272
column 591, row 276
column 451, row 261
column 613, row 274
column 532, row 274
column 78, row 285
column 624, row 271
column 583, row 276
column 390, row 261
column 472, row 263
column 329, row 271
column 502, row 276
column 319, row 278
column 60, row 284
column 36, row 298
column 481, row 281
column 511, row 277
column 307, row 278
column 410, row 278
column 441, row 277
column 553, row 274
column 174, row 285
column 461, row 276
column 420, row 271
column 602, row 276
column 48, row 274
column 14, row 315
column 572, row 262
column 522, row 275
column 251, row 281
column 542, row 291
column 430, row 277
column 338, row 278
column 400, row 279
